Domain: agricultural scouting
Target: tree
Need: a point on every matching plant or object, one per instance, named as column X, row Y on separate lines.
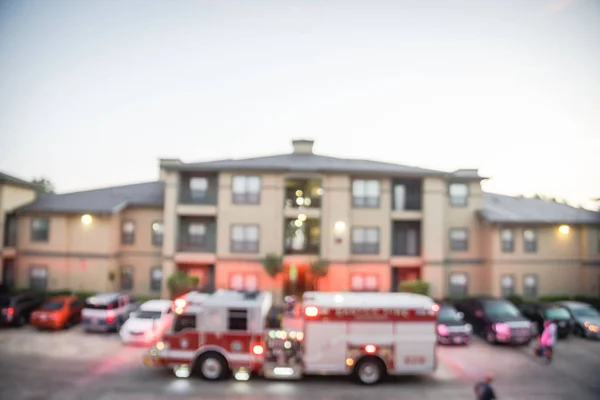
column 180, row 283
column 44, row 185
column 318, row 269
column 273, row 264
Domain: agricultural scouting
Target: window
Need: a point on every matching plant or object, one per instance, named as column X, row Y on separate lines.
column 238, row 319
column 365, row 193
column 529, row 241
column 198, row 187
column 246, row 189
column 155, row 279
column 243, row 281
column 364, row 283
column 128, row 232
column 127, row 278
column 459, row 239
column 507, row 240
column 184, row 322
column 157, row 233
column 407, row 195
column 459, row 284
column 530, row 286
column 507, row 283
column 244, row 239
column 40, row 229
column 196, row 234
column 365, row 241
column 406, row 238
column 459, row 194
column 38, row 278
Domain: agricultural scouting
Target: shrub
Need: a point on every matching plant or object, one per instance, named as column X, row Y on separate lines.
column 416, row 286
column 180, row 283
column 273, row 264
column 318, row 269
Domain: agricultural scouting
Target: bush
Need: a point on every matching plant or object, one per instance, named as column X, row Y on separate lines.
column 181, row 283
column 416, row 286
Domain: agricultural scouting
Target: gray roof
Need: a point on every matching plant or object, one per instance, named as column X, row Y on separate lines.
column 507, row 209
column 100, row 201
column 16, row 181
column 296, row 162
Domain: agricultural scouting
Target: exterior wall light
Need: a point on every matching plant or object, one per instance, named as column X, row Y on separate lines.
column 86, row 219
column 338, row 231
column 564, row 229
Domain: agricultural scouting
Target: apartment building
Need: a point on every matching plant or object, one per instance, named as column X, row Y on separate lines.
column 14, row 192
column 377, row 224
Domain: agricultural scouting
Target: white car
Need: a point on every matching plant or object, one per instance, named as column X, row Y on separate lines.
column 148, row 322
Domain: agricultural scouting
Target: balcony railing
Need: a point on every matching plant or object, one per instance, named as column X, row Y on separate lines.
column 201, row 190
column 303, row 193
column 406, row 239
column 10, row 231
column 197, row 235
column 302, row 237
column 407, row 195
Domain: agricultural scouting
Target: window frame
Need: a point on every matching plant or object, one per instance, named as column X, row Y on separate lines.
column 514, row 285
column 244, row 275
column 353, row 245
column 364, row 196
column 246, row 197
column 245, row 248
column 364, row 276
column 154, row 236
column 126, row 237
column 503, row 243
column 451, row 285
column 198, row 195
column 153, row 286
column 537, row 285
column 452, row 242
column 34, row 237
column 195, row 240
column 33, row 267
column 527, row 249
column 453, row 199
column 122, row 270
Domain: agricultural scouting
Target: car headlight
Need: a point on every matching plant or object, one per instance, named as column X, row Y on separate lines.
column 469, row 328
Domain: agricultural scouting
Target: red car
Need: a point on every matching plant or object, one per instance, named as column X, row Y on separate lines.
column 58, row 313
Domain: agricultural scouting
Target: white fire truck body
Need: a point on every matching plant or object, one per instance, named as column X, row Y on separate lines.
column 363, row 334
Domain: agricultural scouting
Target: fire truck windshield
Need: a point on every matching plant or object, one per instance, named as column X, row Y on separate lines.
column 184, row 322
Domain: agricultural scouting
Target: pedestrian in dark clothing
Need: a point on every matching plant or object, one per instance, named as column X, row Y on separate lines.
column 484, row 390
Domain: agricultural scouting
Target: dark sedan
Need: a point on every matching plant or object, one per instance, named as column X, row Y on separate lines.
column 451, row 327
column 540, row 312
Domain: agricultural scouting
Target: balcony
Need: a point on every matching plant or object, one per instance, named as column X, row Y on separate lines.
column 197, row 235
column 302, row 236
column 197, row 189
column 406, row 239
column 407, row 195
column 303, row 193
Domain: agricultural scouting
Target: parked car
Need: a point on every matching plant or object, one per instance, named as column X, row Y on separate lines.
column 540, row 312
column 586, row 319
column 451, row 326
column 58, row 312
column 16, row 308
column 106, row 312
column 496, row 320
column 148, row 322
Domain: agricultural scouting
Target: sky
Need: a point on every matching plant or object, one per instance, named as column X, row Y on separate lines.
column 93, row 93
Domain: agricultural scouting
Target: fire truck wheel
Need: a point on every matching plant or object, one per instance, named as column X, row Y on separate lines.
column 369, row 370
column 211, row 366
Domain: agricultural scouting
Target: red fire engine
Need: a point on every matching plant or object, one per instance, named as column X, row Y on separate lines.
column 367, row 335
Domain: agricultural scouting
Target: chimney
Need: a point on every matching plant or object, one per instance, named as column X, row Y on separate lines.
column 303, row 146
column 165, row 162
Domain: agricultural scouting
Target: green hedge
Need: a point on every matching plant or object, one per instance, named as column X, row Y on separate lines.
column 518, row 300
column 416, row 286
column 81, row 294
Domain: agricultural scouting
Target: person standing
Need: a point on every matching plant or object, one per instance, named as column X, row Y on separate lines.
column 548, row 339
column 484, row 390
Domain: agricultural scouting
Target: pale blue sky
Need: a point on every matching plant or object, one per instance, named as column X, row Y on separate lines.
column 92, row 93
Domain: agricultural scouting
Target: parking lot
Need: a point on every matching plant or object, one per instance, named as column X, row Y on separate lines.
column 74, row 365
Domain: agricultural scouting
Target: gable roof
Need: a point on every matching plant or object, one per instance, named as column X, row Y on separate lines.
column 16, row 181
column 507, row 209
column 301, row 162
column 99, row 201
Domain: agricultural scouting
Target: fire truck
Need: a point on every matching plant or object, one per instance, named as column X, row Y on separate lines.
column 364, row 335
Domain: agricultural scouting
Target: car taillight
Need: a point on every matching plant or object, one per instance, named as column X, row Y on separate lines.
column 443, row 330
column 110, row 318
column 8, row 311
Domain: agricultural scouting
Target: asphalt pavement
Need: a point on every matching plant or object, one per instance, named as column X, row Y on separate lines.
column 72, row 365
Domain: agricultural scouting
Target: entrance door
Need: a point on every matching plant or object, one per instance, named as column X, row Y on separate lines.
column 8, row 273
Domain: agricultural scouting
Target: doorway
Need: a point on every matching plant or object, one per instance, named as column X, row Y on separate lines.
column 8, row 273
column 303, row 281
column 409, row 274
column 205, row 274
